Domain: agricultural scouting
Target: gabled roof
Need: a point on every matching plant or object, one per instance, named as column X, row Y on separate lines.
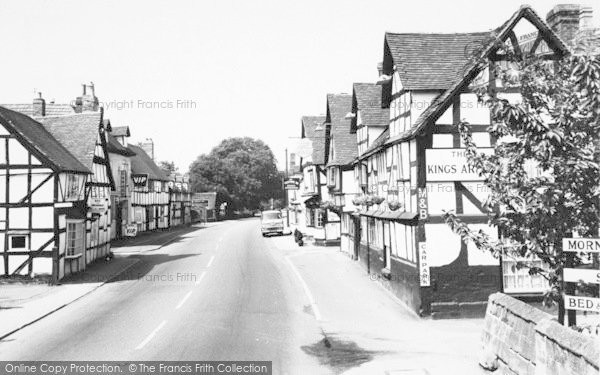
column 317, row 137
column 77, row 132
column 341, row 138
column 442, row 102
column 367, row 98
column 429, row 61
column 142, row 164
column 52, row 109
column 41, row 143
column 121, row 131
column 113, row 146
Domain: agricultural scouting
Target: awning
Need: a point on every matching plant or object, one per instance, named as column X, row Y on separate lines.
column 305, row 199
column 390, row 215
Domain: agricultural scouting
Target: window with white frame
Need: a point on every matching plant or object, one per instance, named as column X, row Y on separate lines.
column 518, row 280
column 320, row 217
column 75, row 235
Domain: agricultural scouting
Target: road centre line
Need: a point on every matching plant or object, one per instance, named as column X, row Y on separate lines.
column 210, row 261
column 151, row 335
column 307, row 291
column 183, row 300
column 200, row 278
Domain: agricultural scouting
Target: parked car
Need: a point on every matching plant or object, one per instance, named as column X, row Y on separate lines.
column 271, row 222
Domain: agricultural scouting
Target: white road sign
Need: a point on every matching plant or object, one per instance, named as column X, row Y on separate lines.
column 589, row 245
column 582, row 303
column 574, row 275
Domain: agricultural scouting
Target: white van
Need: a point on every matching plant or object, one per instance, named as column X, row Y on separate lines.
column 271, row 222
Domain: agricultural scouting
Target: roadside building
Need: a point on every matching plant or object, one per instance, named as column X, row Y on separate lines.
column 120, row 162
column 312, row 218
column 180, row 200
column 42, row 201
column 340, row 151
column 369, row 123
column 150, row 195
column 85, row 136
column 421, row 167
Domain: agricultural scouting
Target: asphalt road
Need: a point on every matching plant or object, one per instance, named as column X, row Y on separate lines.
column 219, row 293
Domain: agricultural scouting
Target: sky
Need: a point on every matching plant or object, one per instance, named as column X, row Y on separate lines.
column 190, row 73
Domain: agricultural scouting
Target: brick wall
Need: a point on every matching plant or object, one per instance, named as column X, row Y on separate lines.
column 520, row 339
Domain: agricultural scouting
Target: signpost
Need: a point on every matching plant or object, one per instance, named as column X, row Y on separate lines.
column 422, row 203
column 131, row 230
column 98, row 205
column 575, row 275
column 291, row 184
column 582, row 303
column 588, row 245
column 424, row 276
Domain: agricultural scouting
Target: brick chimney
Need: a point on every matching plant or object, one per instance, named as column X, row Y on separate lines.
column 39, row 106
column 379, row 69
column 567, row 20
column 87, row 102
column 148, row 147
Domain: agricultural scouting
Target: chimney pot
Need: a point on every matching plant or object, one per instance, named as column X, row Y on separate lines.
column 39, row 106
column 379, row 69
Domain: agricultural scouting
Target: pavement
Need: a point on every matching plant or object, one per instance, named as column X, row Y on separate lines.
column 227, row 293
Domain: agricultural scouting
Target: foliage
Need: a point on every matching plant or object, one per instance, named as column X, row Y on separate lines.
column 241, row 170
column 544, row 174
column 167, row 166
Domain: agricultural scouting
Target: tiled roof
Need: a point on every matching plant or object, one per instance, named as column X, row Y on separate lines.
column 432, row 61
column 368, row 95
column 77, row 132
column 113, row 146
column 141, row 163
column 309, row 130
column 443, row 101
column 52, row 109
column 32, row 132
column 121, row 131
column 342, row 140
column 367, row 99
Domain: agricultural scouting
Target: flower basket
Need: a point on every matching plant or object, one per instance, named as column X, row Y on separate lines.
column 378, row 199
column 394, row 205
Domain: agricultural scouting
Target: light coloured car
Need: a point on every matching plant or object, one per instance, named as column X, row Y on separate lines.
column 271, row 222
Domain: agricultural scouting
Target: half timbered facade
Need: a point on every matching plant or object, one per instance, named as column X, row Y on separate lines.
column 180, row 200
column 85, row 136
column 150, row 195
column 418, row 167
column 341, row 150
column 312, row 217
column 42, row 193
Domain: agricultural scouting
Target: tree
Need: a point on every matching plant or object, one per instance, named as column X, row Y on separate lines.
column 242, row 170
column 167, row 166
column 555, row 128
